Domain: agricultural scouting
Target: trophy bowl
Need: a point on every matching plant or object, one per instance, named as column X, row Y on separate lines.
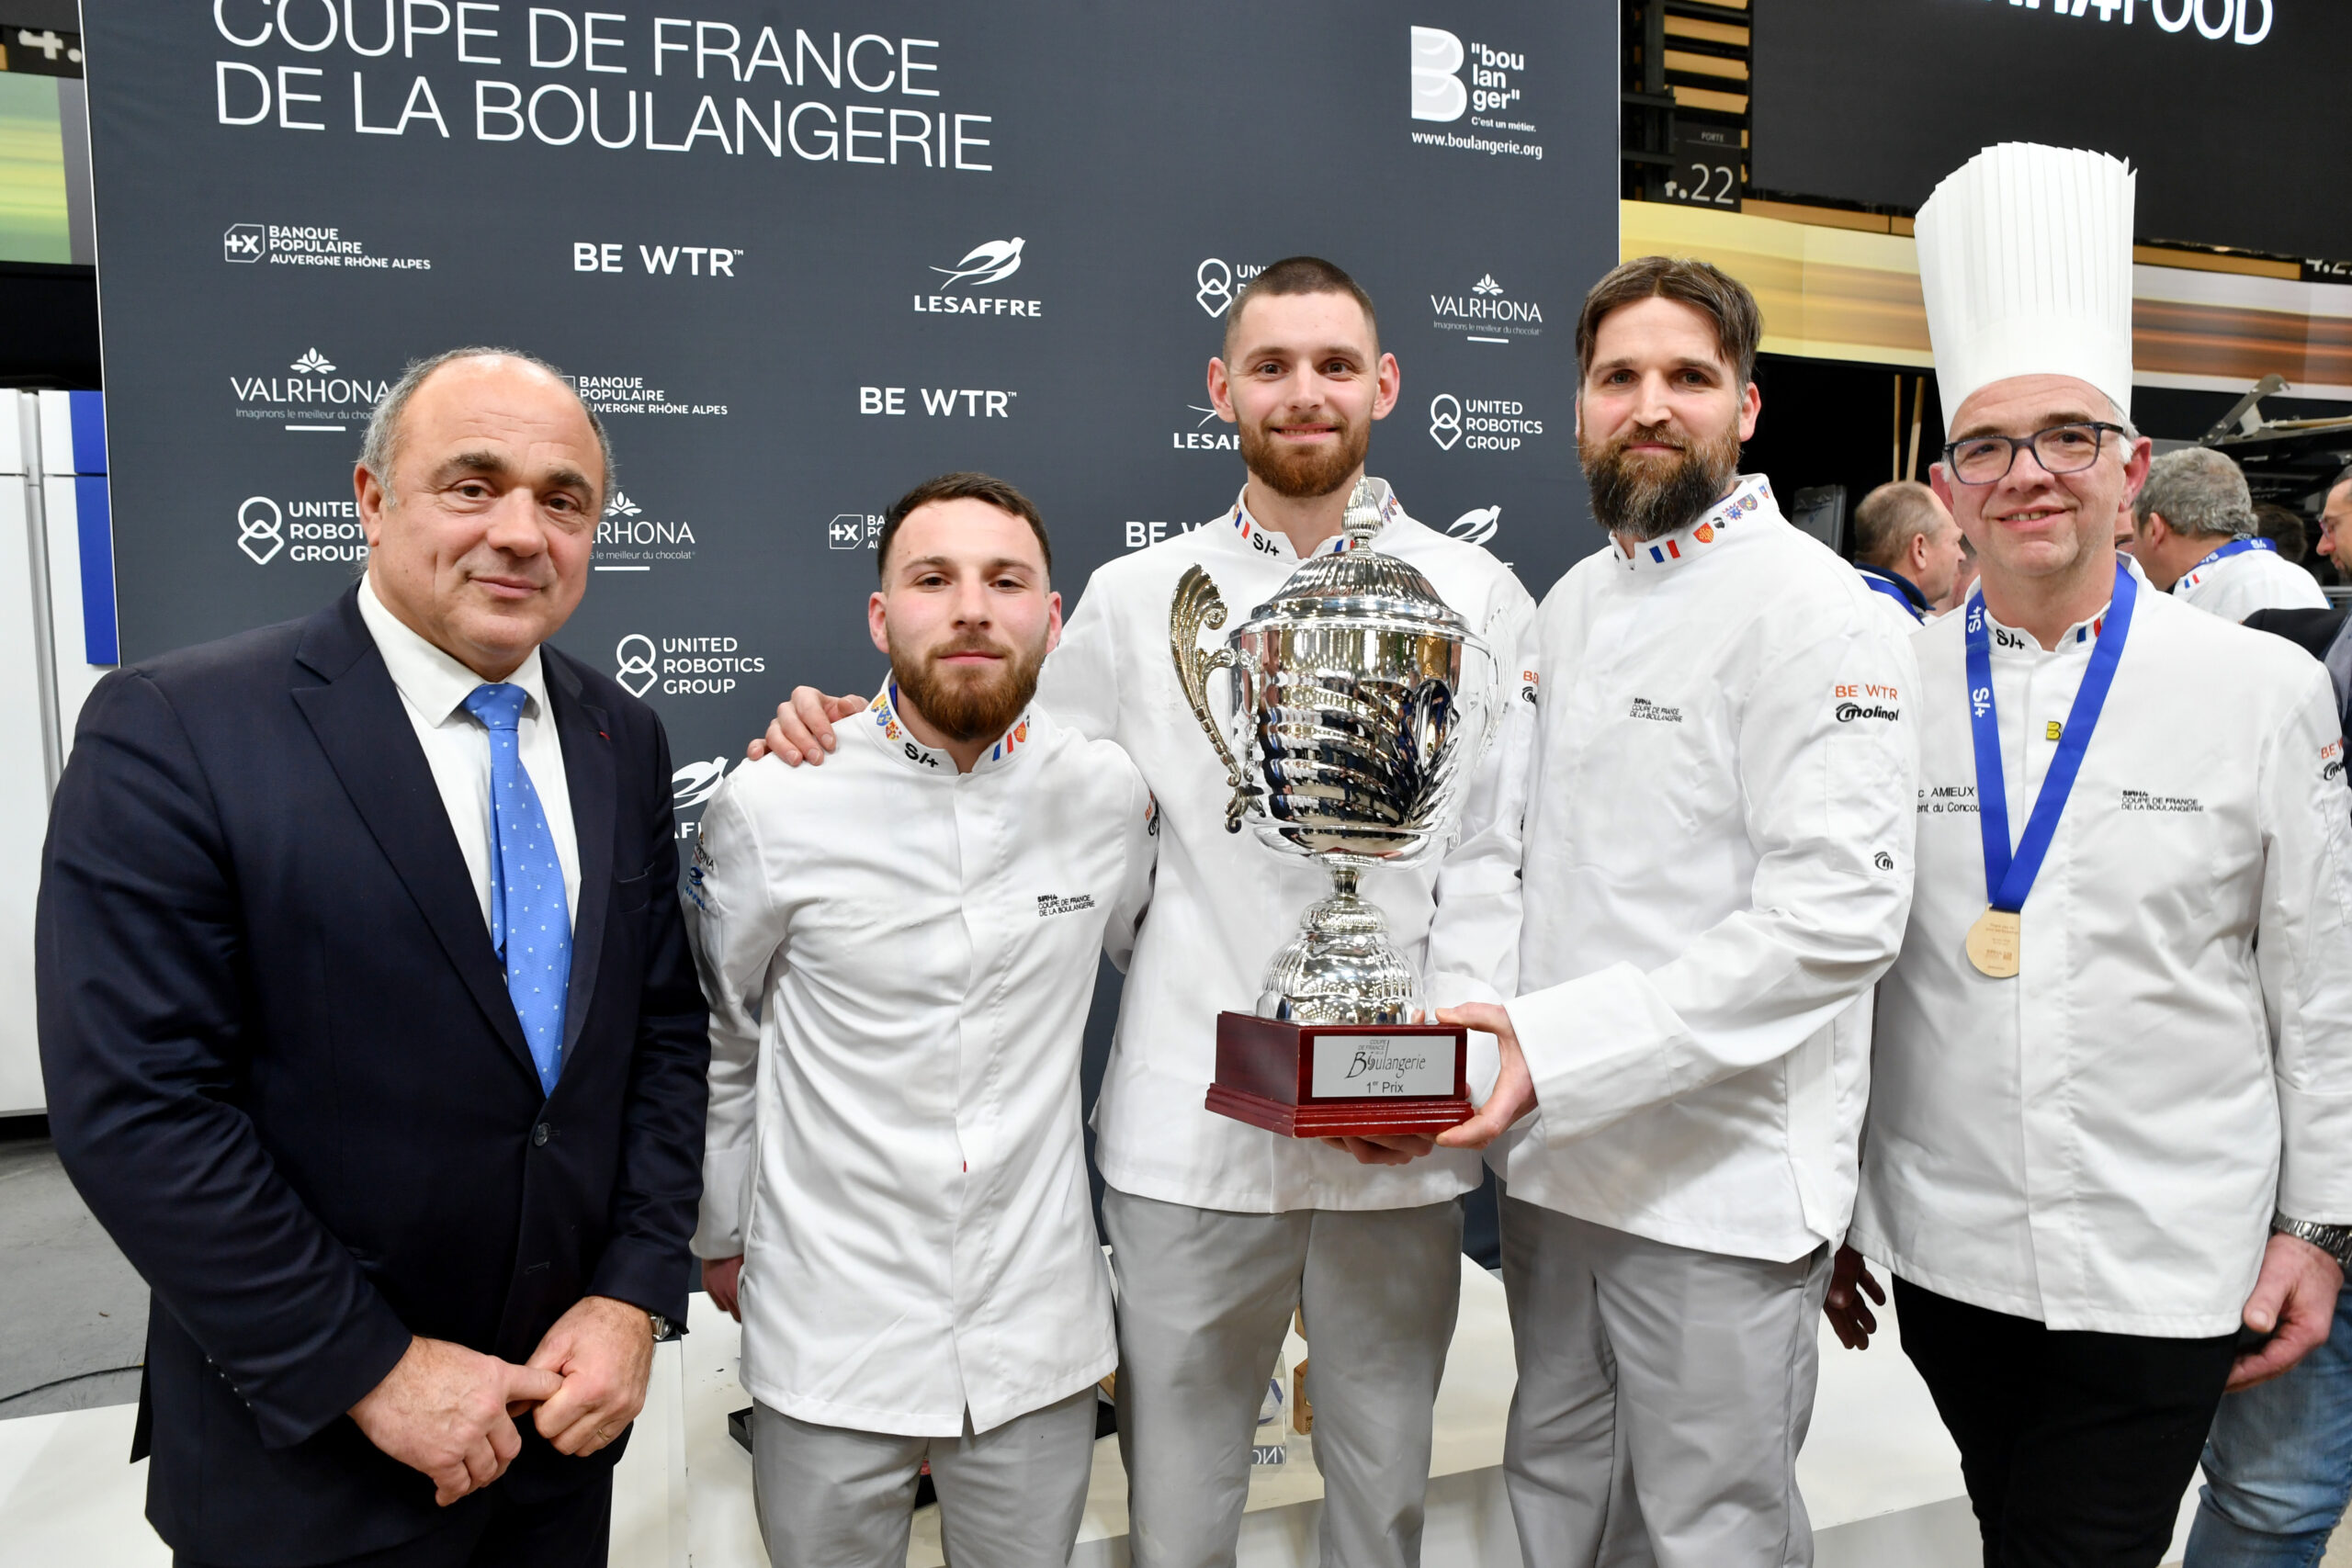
column 1344, row 743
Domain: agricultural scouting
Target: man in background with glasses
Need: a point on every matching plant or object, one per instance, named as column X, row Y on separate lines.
column 2111, row 1117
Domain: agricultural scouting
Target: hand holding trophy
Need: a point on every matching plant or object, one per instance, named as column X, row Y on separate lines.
column 1346, row 746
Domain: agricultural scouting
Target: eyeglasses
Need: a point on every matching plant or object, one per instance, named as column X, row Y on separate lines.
column 2061, row 449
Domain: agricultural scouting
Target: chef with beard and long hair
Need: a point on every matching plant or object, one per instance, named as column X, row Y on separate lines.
column 898, row 951
column 1219, row 1229
column 1717, row 859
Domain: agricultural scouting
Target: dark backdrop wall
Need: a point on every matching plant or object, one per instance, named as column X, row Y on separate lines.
column 2233, row 109
column 803, row 258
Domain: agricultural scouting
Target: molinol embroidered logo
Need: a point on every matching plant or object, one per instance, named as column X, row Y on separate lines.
column 1213, row 282
column 981, row 266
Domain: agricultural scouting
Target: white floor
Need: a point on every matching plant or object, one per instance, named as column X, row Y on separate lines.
column 1881, row 1478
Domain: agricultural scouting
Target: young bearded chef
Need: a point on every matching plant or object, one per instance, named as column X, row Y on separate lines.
column 2111, row 1118
column 895, row 1196
column 1219, row 1229
column 1718, row 862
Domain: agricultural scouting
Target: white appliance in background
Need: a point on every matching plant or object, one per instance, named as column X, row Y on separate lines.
column 57, row 639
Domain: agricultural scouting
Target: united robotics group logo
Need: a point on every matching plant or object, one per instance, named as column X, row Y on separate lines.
column 1214, row 280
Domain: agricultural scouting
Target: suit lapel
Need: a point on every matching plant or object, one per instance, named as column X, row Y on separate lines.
column 364, row 731
column 588, row 771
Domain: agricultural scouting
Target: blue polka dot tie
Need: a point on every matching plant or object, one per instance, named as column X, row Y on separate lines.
column 529, row 923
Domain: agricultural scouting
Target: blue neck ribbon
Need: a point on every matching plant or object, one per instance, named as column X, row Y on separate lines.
column 2235, row 547
column 2008, row 878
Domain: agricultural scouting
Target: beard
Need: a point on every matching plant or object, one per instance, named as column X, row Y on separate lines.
column 970, row 703
column 1648, row 496
column 1303, row 475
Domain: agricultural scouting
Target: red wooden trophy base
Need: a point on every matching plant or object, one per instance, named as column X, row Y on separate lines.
column 1266, row 1076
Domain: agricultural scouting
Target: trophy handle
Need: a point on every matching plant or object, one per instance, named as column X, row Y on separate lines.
column 1197, row 604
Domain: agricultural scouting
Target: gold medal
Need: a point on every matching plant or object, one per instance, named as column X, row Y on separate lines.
column 1993, row 943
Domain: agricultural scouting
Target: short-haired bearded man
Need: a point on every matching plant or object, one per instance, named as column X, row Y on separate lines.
column 899, row 952
column 1219, row 1229
column 2110, row 1119
column 1717, row 860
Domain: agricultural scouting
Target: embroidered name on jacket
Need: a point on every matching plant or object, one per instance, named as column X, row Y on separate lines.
column 2142, row 800
column 1063, row 904
column 1655, row 712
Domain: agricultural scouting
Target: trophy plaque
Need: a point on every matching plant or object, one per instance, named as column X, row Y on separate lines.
column 1346, row 743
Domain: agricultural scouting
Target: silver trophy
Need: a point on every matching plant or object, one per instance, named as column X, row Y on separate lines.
column 1347, row 717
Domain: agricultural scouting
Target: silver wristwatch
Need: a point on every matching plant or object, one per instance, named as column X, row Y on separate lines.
column 2333, row 1240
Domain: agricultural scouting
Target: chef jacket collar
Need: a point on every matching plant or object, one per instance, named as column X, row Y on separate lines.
column 1751, row 494
column 2076, row 638
column 1246, row 530
column 900, row 742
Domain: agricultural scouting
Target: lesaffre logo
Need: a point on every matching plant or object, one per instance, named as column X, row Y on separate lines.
column 1214, row 280
column 1451, row 79
column 853, row 531
column 306, row 244
column 629, row 540
column 1202, row 432
column 983, row 266
column 315, row 399
column 1486, row 312
column 683, row 666
column 1476, row 525
column 1481, row 425
column 301, row 530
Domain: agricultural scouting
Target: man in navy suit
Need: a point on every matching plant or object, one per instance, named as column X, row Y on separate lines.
column 370, row 1027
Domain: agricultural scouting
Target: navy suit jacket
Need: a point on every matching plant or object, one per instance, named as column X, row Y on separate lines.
column 284, row 1071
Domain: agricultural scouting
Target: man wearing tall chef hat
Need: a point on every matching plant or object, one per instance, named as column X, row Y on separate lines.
column 2110, row 1120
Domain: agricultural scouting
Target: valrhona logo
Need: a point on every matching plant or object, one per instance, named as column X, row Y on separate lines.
column 314, row 384
column 1486, row 312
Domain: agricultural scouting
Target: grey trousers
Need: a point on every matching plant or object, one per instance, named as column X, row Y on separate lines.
column 1663, row 1395
column 831, row 1497
column 1205, row 1296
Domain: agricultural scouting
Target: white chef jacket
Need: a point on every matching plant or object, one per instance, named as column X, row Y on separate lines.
column 2250, row 581
column 895, row 1145
column 2099, row 1142
column 1718, row 865
column 1223, row 902
column 433, row 688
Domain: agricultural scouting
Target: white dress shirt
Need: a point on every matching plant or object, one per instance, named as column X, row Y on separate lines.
column 895, row 1144
column 1718, row 865
column 2099, row 1142
column 1225, row 902
column 2237, row 586
column 433, row 688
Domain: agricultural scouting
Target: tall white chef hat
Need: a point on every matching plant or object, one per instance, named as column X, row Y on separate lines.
column 2025, row 256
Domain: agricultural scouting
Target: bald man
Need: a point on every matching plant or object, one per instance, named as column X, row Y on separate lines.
column 1907, row 549
column 369, row 1028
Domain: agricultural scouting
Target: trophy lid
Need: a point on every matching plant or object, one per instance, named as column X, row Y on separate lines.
column 1359, row 583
